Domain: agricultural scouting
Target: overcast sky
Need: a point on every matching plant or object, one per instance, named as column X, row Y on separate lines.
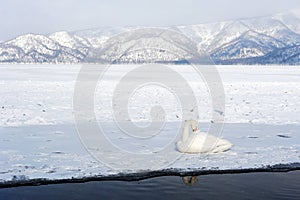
column 45, row 16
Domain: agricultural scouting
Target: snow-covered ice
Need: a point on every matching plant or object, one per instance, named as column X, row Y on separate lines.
column 38, row 136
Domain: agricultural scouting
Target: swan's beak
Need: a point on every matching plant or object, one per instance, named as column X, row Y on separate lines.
column 195, row 129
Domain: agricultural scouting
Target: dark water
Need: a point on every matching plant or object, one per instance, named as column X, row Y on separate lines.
column 229, row 186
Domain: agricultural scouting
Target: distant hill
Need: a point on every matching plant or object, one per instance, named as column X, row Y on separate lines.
column 264, row 40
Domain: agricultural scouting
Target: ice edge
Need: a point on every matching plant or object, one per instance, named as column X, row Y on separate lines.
column 141, row 175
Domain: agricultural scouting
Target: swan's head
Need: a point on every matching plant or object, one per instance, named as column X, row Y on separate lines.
column 194, row 125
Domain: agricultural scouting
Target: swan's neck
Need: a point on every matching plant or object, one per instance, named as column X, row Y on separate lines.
column 186, row 131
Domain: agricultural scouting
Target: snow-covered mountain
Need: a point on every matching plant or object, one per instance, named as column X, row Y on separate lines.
column 58, row 47
column 264, row 40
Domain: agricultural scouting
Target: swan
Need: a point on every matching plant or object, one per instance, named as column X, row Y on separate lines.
column 200, row 142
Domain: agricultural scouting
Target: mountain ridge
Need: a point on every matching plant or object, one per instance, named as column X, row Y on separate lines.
column 265, row 40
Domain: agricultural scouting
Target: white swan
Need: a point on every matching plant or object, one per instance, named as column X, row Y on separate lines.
column 200, row 142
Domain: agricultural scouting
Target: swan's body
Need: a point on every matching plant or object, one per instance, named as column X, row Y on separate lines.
column 200, row 142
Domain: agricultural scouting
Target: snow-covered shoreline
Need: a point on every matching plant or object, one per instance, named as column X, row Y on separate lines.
column 137, row 176
column 39, row 141
column 56, row 153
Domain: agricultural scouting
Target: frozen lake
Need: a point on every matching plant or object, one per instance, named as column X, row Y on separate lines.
column 39, row 137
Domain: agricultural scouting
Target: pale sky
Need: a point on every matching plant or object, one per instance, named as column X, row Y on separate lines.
column 45, row 16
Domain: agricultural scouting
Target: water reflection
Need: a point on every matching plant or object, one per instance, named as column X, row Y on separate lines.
column 267, row 186
column 190, row 180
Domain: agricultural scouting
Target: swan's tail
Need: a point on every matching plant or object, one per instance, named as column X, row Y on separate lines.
column 222, row 147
